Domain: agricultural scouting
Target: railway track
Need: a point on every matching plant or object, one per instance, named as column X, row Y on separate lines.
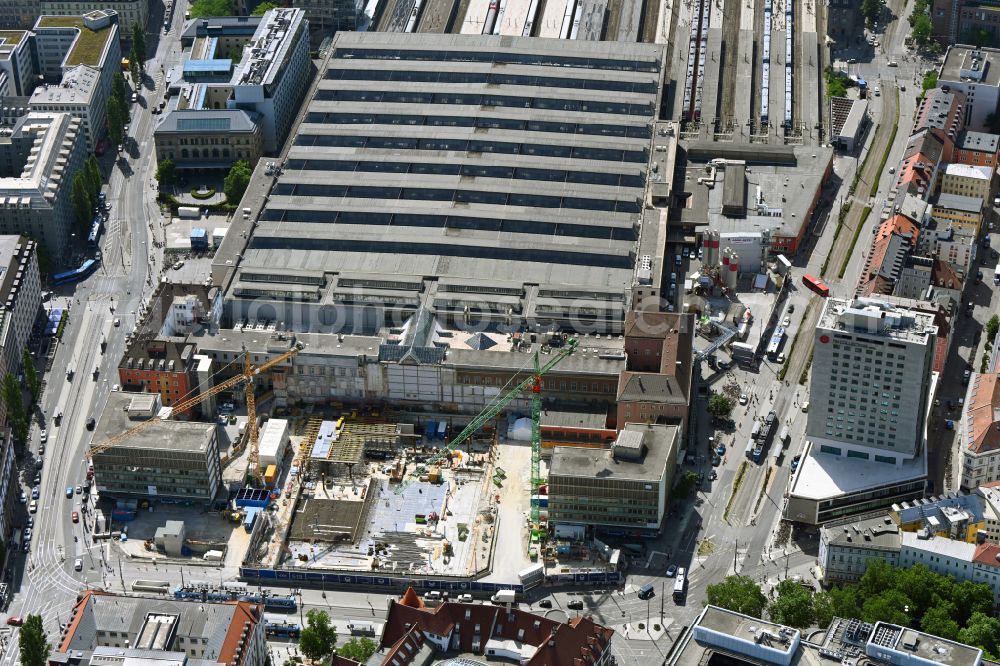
column 798, row 69
column 756, row 71
column 728, row 57
column 437, row 16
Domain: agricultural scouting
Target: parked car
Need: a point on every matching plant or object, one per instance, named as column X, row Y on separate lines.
column 545, row 603
column 43, row 436
column 91, row 423
column 576, row 604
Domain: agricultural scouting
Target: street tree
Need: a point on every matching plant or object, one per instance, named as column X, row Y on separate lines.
column 118, row 90
column 740, row 594
column 166, row 173
column 992, row 326
column 921, row 30
column 93, row 173
column 983, row 631
column 879, row 576
column 17, row 416
column 870, row 9
column 793, row 607
column 237, row 181
column 117, row 116
column 30, row 374
column 32, row 641
column 318, row 637
column 139, row 45
column 135, row 68
column 359, row 649
column 720, row 406
column 82, row 200
column 260, row 10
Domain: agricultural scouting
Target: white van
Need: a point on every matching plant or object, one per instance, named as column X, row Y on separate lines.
column 805, row 407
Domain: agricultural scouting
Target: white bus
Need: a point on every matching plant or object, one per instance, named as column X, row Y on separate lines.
column 680, row 585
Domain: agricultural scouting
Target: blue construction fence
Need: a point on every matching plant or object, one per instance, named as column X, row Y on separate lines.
column 317, row 578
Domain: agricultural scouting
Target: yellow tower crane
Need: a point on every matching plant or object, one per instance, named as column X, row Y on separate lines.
column 246, row 378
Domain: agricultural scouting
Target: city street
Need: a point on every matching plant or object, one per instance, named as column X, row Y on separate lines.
column 44, row 580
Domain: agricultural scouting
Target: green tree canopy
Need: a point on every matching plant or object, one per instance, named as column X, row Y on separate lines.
column 166, row 173
column 32, row 642
column 983, row 631
column 879, row 576
column 236, row 181
column 870, row 9
column 139, row 45
column 318, row 637
column 212, row 8
column 939, row 620
column 889, row 606
column 921, row 30
column 794, row 605
column 30, row 374
column 93, row 173
column 259, row 10
column 992, row 326
column 720, row 405
column 970, row 598
column 823, row 609
column 359, row 649
column 118, row 90
column 82, row 201
column 117, row 117
column 738, row 593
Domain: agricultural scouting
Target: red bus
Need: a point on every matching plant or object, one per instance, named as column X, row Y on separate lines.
column 815, row 284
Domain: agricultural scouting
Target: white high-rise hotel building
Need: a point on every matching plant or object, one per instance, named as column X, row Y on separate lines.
column 871, row 379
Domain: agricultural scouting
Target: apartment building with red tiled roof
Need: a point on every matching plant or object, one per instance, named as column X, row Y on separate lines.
column 415, row 634
column 110, row 628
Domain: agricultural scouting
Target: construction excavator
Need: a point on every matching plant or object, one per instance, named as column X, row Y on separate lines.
column 245, row 378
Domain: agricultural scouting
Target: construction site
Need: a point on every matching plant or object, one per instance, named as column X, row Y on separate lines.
column 360, row 494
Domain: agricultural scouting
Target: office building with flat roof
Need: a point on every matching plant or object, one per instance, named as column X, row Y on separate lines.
column 975, row 72
column 39, row 159
column 872, row 364
column 719, row 636
column 129, row 12
column 20, row 300
column 273, row 76
column 19, row 14
column 536, row 173
column 173, row 459
column 624, row 486
column 17, row 64
column 78, row 55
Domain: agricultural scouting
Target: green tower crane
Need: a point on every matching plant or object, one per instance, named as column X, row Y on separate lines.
column 532, row 382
